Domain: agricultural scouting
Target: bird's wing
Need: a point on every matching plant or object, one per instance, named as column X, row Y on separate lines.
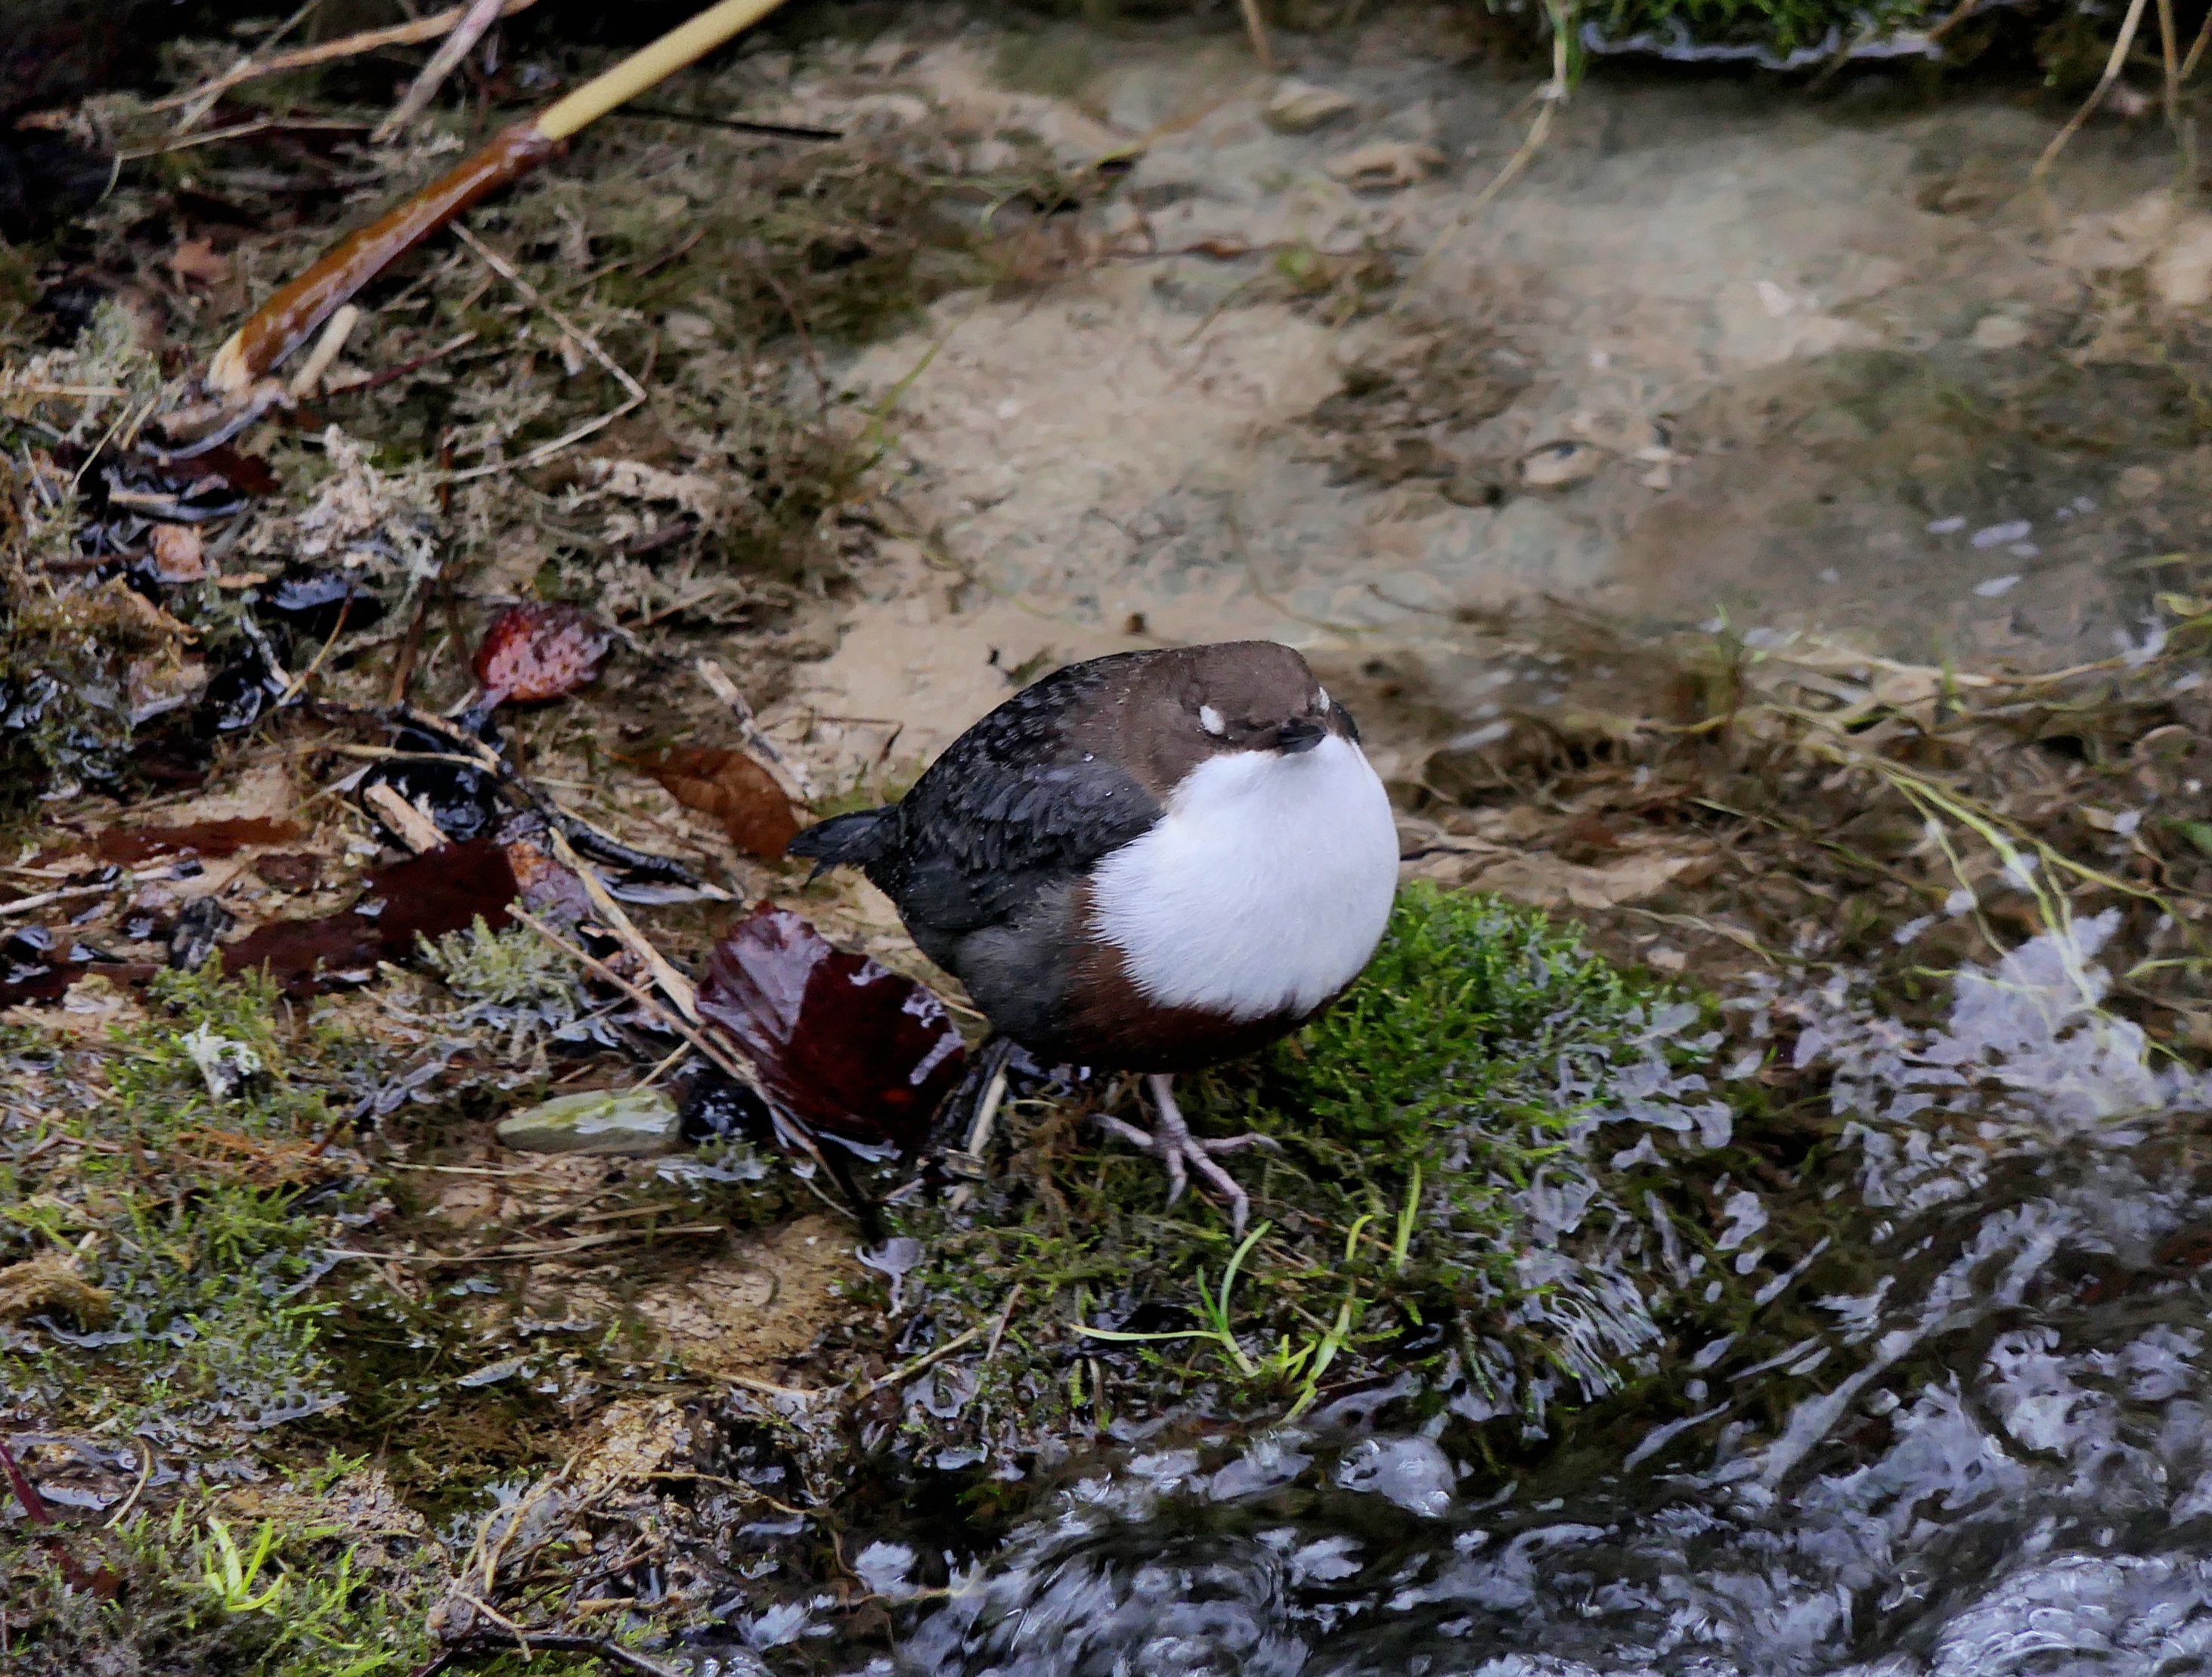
column 1011, row 806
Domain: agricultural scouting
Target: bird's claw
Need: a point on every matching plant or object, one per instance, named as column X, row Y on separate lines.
column 1171, row 1142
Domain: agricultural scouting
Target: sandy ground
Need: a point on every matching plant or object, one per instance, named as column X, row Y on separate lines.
column 1813, row 367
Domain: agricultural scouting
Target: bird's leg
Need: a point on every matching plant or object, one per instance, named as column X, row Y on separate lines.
column 1176, row 1147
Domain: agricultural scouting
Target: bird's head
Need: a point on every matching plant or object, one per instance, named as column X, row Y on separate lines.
column 1198, row 703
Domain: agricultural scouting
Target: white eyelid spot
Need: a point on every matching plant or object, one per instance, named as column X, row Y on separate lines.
column 1323, row 692
column 1210, row 719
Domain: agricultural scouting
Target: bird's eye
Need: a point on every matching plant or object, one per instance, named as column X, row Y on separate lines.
column 1321, row 693
column 1210, row 719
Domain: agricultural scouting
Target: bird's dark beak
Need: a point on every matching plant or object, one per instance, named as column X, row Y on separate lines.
column 1299, row 734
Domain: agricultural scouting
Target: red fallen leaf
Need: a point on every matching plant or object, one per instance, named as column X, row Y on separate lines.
column 842, row 1043
column 734, row 789
column 536, row 651
column 426, row 895
column 128, row 846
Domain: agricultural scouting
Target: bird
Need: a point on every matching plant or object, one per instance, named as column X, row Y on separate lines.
column 1153, row 862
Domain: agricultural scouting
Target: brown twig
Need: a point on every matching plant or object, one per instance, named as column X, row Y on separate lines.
column 199, row 105
column 27, row 1493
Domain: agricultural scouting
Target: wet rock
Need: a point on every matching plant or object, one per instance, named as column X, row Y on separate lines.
column 1385, row 165
column 1300, row 108
column 638, row 1123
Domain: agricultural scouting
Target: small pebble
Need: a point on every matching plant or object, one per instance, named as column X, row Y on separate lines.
column 605, row 1123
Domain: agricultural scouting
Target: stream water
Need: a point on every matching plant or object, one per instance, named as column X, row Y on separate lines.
column 2009, row 1469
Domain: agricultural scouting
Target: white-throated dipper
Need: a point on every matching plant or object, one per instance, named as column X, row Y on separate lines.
column 1151, row 862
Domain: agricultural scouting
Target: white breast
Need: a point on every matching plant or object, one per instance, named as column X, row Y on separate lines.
column 1264, row 888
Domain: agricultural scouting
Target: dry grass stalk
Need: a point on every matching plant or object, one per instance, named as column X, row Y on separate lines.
column 465, row 34
column 412, row 33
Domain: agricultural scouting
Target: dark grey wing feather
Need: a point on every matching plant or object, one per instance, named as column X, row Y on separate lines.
column 1011, row 806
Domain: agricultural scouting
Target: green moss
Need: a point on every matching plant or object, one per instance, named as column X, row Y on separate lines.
column 1443, row 1199
column 186, row 1194
column 309, row 1580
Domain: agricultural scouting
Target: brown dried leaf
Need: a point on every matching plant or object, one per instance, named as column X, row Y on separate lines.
column 732, row 787
column 840, row 1042
column 535, row 651
column 195, row 262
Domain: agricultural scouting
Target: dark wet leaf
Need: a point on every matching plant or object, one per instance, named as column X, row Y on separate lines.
column 129, row 845
column 143, row 926
column 737, row 792
column 249, row 474
column 312, row 603
column 535, row 651
column 198, row 932
column 460, row 798
column 235, row 695
column 171, row 754
column 711, row 1105
column 423, row 896
column 842, row 1043
column 32, row 968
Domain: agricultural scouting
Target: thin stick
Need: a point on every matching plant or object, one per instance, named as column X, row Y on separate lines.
column 735, row 1066
column 145, row 1473
column 327, row 350
column 635, row 391
column 1551, row 96
column 1256, row 27
column 680, row 47
column 2128, row 25
column 465, row 34
column 531, row 294
column 245, row 131
column 900, row 1376
column 2196, row 47
column 791, row 777
column 25, row 904
column 673, row 984
column 743, row 1074
column 196, row 108
column 2169, row 50
column 412, row 33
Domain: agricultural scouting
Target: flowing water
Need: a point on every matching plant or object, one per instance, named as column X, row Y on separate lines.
column 1820, row 366
column 2008, row 1469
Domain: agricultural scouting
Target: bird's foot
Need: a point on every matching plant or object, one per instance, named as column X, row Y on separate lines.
column 1170, row 1140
